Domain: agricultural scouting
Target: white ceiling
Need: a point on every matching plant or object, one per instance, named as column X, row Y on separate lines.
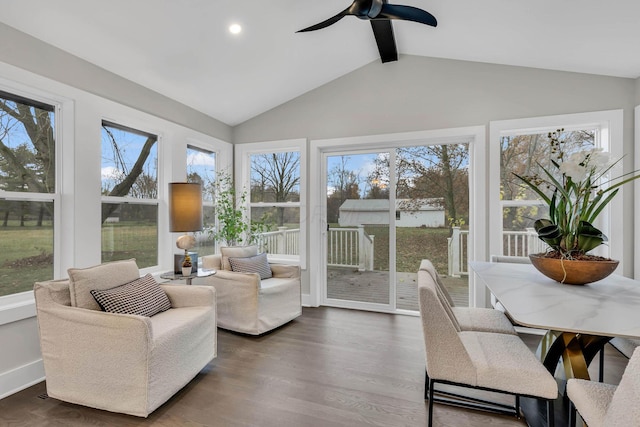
column 183, row 49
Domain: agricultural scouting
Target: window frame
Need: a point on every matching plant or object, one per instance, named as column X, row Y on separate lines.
column 610, row 138
column 243, row 153
column 203, row 147
column 20, row 305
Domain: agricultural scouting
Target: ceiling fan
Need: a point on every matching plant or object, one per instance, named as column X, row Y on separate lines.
column 380, row 13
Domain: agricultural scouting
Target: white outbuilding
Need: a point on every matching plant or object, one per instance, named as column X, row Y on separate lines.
column 409, row 212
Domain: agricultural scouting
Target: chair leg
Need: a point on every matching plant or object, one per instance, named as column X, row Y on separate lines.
column 426, row 384
column 430, row 403
column 517, row 405
column 601, row 373
column 551, row 415
column 572, row 414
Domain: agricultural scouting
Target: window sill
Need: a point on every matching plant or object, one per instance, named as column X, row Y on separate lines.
column 17, row 307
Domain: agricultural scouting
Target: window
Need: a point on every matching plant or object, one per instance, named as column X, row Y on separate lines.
column 201, row 168
column 129, row 195
column 524, row 155
column 520, row 147
column 27, row 192
column 274, row 181
column 275, row 200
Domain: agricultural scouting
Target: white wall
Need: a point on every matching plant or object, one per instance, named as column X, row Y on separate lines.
column 417, row 93
column 29, row 53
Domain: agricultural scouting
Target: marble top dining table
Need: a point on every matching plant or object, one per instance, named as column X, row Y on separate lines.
column 607, row 308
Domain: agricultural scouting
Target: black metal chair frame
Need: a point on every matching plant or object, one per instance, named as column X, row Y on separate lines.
column 479, row 404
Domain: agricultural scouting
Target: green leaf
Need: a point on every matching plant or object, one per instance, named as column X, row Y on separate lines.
column 550, row 234
column 589, row 237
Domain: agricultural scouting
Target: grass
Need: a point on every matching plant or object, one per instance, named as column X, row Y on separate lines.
column 26, row 256
column 26, row 253
column 413, row 244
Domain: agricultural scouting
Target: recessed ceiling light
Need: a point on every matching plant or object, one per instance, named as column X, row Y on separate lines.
column 235, row 29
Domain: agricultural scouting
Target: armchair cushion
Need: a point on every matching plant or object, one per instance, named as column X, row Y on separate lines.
column 236, row 252
column 143, row 297
column 104, row 276
column 254, row 264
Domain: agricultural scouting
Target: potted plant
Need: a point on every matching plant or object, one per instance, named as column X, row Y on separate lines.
column 234, row 228
column 580, row 191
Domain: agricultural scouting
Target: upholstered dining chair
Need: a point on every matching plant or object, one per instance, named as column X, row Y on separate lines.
column 602, row 404
column 480, row 360
column 470, row 318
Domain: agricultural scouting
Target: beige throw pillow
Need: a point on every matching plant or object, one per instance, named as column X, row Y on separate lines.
column 105, row 276
column 236, row 252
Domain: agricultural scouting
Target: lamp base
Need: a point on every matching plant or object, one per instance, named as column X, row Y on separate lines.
column 178, row 259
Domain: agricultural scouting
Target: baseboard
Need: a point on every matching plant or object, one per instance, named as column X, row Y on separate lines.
column 20, row 378
column 306, row 300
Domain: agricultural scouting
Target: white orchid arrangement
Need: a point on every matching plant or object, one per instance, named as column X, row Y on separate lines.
column 579, row 196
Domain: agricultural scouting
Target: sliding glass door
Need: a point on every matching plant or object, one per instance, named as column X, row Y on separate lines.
column 386, row 211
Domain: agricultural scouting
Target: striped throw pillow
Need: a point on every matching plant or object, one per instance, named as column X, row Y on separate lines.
column 253, row 264
column 143, row 297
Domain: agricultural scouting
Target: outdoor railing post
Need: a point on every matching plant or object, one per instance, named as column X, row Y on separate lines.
column 280, row 240
column 455, row 255
column 361, row 251
column 532, row 238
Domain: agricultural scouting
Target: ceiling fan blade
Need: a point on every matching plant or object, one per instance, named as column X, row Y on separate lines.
column 383, row 32
column 407, row 13
column 326, row 23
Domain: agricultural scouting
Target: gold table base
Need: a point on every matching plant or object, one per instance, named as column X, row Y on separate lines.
column 575, row 351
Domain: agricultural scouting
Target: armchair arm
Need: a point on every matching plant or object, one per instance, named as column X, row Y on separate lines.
column 284, row 270
column 92, row 349
column 190, row 296
column 250, row 281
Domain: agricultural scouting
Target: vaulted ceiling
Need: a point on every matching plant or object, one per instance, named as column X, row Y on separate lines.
column 183, row 49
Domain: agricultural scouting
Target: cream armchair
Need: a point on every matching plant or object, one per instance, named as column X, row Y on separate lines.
column 122, row 362
column 247, row 303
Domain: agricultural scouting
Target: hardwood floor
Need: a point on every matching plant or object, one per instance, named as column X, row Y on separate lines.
column 330, row 367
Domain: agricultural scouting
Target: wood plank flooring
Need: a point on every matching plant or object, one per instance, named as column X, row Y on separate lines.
column 330, row 367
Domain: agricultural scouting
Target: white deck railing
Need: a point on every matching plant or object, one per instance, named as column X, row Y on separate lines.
column 514, row 243
column 353, row 247
column 346, row 247
column 350, row 247
column 285, row 241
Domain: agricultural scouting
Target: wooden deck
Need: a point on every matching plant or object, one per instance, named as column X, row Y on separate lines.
column 373, row 286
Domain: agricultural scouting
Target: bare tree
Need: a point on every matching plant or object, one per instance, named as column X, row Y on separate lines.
column 143, row 184
column 345, row 186
column 276, row 177
column 440, row 171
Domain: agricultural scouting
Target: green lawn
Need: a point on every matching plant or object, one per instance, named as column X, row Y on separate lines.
column 26, row 253
column 412, row 246
column 26, row 256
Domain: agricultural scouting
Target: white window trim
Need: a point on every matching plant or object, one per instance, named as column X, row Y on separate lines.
column 610, row 124
column 474, row 135
column 21, row 305
column 636, row 200
column 243, row 153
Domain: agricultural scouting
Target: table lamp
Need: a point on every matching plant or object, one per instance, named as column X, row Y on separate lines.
column 185, row 213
